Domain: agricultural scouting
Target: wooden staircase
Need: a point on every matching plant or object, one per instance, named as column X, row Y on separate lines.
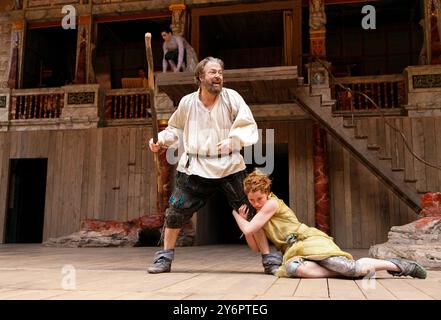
column 378, row 161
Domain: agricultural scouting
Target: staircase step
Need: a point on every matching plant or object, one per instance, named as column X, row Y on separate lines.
column 373, row 147
column 348, row 123
column 329, row 103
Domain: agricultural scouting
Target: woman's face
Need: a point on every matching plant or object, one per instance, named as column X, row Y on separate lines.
column 166, row 36
column 257, row 199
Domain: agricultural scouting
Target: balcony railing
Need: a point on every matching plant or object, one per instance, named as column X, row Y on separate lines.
column 121, row 104
column 37, row 103
column 387, row 91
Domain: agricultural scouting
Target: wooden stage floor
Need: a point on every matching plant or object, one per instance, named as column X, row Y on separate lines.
column 232, row 272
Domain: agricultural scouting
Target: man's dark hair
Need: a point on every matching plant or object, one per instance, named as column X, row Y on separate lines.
column 199, row 70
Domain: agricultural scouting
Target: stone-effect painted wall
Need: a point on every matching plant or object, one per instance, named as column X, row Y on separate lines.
column 5, row 48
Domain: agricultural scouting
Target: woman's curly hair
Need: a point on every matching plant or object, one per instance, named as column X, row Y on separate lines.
column 257, row 181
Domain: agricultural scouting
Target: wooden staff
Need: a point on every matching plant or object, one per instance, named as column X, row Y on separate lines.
column 151, row 81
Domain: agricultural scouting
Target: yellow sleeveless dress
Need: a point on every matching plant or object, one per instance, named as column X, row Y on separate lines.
column 311, row 244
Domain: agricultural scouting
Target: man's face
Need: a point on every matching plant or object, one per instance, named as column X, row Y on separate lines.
column 212, row 79
column 141, row 73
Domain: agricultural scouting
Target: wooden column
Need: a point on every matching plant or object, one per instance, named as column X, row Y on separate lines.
column 15, row 77
column 317, row 32
column 431, row 51
column 178, row 18
column 84, row 71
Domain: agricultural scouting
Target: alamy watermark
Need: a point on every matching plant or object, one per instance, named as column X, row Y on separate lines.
column 69, row 20
column 369, row 280
column 69, row 277
column 370, row 20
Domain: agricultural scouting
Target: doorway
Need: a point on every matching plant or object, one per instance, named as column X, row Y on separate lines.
column 121, row 49
column 50, row 57
column 27, row 192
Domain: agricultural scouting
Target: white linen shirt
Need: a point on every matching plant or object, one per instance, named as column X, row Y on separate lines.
column 198, row 129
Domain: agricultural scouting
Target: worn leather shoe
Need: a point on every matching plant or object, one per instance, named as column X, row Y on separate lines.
column 271, row 262
column 408, row 268
column 162, row 262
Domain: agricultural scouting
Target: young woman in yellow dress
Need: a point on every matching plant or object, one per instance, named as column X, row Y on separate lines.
column 307, row 251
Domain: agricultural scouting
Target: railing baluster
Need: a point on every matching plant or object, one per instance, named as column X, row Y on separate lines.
column 143, row 107
column 392, row 95
column 136, row 106
column 61, row 104
column 400, row 93
column 40, row 103
column 378, row 89
column 21, row 107
column 369, row 94
column 131, row 100
column 14, row 107
column 27, row 107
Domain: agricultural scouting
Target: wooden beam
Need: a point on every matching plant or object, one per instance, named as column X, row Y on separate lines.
column 241, row 8
column 256, row 85
column 130, row 17
column 305, row 3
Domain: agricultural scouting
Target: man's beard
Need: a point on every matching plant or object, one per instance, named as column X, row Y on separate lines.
column 212, row 88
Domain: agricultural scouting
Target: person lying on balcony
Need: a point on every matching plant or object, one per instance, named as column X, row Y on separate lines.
column 178, row 53
column 213, row 124
column 307, row 252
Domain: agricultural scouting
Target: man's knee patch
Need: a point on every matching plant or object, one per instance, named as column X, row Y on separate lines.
column 176, row 219
column 173, row 219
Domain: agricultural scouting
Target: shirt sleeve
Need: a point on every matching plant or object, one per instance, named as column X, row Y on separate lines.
column 171, row 134
column 244, row 128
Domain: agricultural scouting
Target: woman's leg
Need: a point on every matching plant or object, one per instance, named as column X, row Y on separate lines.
column 396, row 267
column 270, row 261
column 172, row 65
column 366, row 266
column 300, row 268
column 261, row 241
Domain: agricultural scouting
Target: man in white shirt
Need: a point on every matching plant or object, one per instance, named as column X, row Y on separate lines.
column 214, row 123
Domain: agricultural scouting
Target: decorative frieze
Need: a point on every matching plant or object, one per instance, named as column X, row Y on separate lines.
column 426, row 81
column 3, row 102
column 423, row 85
column 5, row 48
column 79, row 98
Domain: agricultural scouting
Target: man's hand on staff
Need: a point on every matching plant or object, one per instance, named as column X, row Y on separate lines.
column 155, row 147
